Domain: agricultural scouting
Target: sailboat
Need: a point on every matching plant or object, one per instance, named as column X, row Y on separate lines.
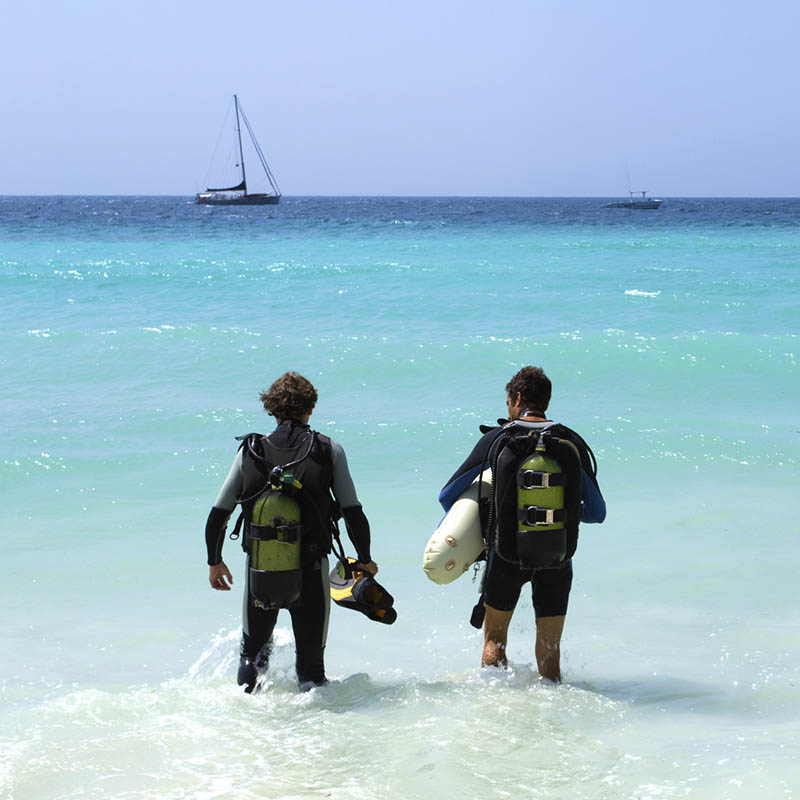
column 238, row 195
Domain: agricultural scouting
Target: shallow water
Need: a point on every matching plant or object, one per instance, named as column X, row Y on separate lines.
column 137, row 334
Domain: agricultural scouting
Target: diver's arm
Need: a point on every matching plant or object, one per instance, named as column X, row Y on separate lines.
column 231, row 489
column 215, row 533
column 593, row 506
column 475, row 459
column 357, row 525
column 221, row 512
column 354, row 517
column 473, row 465
column 219, row 576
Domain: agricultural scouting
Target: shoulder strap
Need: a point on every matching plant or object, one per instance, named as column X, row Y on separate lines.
column 249, row 440
column 496, row 447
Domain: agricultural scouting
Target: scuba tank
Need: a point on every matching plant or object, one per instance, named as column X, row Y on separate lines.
column 274, row 535
column 541, row 537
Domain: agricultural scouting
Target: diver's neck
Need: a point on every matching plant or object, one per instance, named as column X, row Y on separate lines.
column 531, row 418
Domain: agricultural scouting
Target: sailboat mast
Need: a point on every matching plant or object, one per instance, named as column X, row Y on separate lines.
column 239, row 136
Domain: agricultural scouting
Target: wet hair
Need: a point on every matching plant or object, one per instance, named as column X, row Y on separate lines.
column 533, row 385
column 290, row 397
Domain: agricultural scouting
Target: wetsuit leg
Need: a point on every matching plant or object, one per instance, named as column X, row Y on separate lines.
column 550, row 591
column 257, row 627
column 502, row 583
column 257, row 636
column 310, row 624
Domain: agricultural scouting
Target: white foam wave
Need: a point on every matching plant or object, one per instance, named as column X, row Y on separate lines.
column 642, row 293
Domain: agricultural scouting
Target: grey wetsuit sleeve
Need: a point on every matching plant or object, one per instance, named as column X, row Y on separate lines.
column 343, row 488
column 232, row 488
column 345, row 493
column 221, row 512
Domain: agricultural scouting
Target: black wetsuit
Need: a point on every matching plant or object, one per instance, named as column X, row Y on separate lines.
column 310, row 614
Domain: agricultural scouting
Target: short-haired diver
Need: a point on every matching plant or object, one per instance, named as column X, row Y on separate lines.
column 544, row 483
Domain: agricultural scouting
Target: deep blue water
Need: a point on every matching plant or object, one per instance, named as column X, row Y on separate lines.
column 160, row 217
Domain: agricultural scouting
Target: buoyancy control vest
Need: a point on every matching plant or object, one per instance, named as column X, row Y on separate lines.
column 287, row 507
column 536, row 494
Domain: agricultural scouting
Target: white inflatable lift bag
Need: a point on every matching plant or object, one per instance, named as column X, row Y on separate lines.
column 458, row 540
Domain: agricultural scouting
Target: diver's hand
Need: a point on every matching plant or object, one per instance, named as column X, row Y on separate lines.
column 220, row 578
column 371, row 568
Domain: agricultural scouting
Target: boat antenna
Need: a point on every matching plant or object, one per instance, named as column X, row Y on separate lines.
column 627, row 176
column 239, row 136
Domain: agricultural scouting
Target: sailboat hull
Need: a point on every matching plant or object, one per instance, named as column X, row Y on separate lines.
column 637, row 204
column 203, row 199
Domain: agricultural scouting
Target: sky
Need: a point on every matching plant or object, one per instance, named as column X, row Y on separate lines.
column 422, row 97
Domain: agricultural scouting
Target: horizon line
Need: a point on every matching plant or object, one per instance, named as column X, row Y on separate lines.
column 441, row 196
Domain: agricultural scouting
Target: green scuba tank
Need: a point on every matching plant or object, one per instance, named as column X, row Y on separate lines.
column 275, row 534
column 541, row 535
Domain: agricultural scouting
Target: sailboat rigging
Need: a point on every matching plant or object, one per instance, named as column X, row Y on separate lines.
column 238, row 194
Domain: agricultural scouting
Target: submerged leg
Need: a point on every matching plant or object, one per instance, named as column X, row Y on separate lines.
column 548, row 647
column 251, row 663
column 310, row 625
column 257, row 628
column 551, row 589
column 495, row 635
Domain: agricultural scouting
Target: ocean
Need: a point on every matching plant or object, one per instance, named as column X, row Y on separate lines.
column 137, row 335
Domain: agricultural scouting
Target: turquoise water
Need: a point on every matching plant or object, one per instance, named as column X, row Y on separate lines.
column 137, row 335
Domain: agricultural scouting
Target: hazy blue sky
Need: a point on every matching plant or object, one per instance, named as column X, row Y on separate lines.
column 414, row 97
